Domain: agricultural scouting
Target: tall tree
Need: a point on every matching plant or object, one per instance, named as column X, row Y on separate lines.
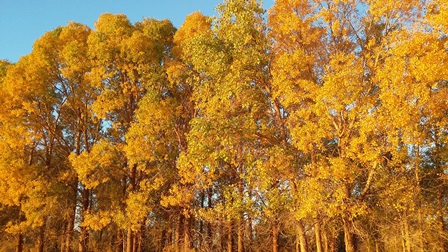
column 229, row 101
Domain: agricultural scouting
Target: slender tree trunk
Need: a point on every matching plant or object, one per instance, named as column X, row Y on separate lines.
column 41, row 238
column 83, row 240
column 135, row 238
column 209, row 225
column 141, row 238
column 69, row 233
column 421, row 238
column 187, row 237
column 71, row 220
column 297, row 243
column 407, row 237
column 240, row 234
column 348, row 236
column 119, row 241
column 222, row 237
column 318, row 236
column 229, row 237
column 302, row 241
column 201, row 223
column 135, row 241
column 325, row 241
column 71, row 217
column 334, row 242
column 163, row 240
column 19, row 247
column 170, row 236
column 84, row 235
column 443, row 243
column 177, row 234
column 249, row 234
column 275, row 233
column 240, row 226
column 62, row 238
column 441, row 221
column 129, row 240
column 403, row 240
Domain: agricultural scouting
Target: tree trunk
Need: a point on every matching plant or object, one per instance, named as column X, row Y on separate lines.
column 119, row 241
column 83, row 240
column 71, row 217
column 201, row 223
column 209, row 225
column 302, row 241
column 348, row 236
column 403, row 241
column 318, row 236
column 240, row 227
column 333, row 242
column 249, row 234
column 135, row 241
column 177, row 234
column 84, row 235
column 441, row 221
column 275, row 232
column 222, row 237
column 71, row 220
column 41, row 238
column 163, row 241
column 69, row 234
column 141, row 238
column 187, row 238
column 443, row 243
column 19, row 247
column 240, row 234
column 325, row 241
column 421, row 238
column 129, row 240
column 229, row 237
column 407, row 237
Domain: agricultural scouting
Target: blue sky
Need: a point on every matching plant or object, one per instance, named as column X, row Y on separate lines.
column 24, row 21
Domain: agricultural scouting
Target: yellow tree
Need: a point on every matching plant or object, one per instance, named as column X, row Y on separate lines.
column 296, row 50
column 414, row 91
column 81, row 124
column 178, row 115
column 116, row 76
column 325, row 56
column 229, row 111
column 128, row 61
column 153, row 138
column 14, row 169
column 46, row 80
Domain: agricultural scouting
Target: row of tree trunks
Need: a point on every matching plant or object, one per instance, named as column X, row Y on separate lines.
column 134, row 241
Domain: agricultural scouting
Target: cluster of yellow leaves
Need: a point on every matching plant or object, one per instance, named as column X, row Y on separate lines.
column 99, row 165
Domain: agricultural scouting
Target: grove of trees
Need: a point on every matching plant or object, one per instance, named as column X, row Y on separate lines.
column 312, row 126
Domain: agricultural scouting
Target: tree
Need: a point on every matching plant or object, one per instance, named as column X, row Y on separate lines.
column 43, row 80
column 128, row 62
column 229, row 104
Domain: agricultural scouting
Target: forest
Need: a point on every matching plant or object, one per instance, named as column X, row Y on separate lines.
column 313, row 126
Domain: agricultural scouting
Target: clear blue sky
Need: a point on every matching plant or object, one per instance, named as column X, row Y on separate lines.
column 24, row 21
